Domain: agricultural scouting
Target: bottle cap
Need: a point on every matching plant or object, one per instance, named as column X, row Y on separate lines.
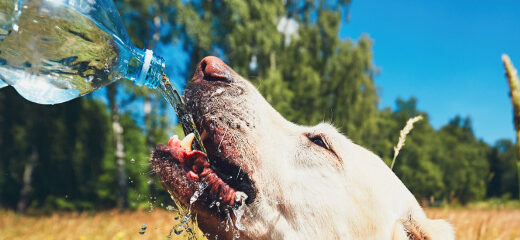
column 146, row 66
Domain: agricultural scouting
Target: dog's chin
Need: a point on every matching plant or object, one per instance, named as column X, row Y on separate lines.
column 225, row 155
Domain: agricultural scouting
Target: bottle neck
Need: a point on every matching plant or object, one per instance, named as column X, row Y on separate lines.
column 145, row 68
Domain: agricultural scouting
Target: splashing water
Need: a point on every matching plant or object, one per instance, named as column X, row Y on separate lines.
column 229, row 221
column 229, row 225
column 239, row 212
column 200, row 189
column 143, row 229
column 236, row 234
column 185, row 119
column 186, row 223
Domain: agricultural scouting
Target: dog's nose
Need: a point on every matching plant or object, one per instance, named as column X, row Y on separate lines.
column 213, row 69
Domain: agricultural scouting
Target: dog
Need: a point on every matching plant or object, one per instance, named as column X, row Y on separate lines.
column 272, row 179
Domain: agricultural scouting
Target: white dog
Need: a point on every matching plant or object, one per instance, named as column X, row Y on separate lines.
column 294, row 182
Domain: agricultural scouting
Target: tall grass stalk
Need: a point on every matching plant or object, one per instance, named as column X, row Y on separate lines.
column 402, row 136
column 512, row 80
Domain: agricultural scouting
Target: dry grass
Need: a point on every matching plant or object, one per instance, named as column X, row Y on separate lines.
column 402, row 136
column 104, row 225
column 480, row 224
column 470, row 224
column 514, row 93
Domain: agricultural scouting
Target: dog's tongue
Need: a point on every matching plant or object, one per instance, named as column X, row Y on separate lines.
column 198, row 167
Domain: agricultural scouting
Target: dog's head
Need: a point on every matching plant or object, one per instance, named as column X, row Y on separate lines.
column 301, row 182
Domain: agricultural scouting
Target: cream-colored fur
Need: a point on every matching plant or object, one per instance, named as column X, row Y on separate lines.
column 308, row 192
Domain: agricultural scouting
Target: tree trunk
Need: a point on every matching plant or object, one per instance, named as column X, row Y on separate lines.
column 27, row 181
column 149, row 143
column 272, row 61
column 117, row 128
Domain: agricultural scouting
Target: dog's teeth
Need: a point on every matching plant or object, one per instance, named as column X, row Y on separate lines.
column 186, row 142
column 172, row 140
column 240, row 196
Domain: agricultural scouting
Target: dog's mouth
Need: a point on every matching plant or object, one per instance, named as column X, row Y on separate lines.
column 211, row 181
column 222, row 179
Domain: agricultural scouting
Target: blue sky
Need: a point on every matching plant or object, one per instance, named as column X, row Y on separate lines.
column 447, row 54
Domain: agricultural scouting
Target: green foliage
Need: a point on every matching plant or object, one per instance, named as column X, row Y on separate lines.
column 464, row 160
column 503, row 176
column 449, row 164
column 70, row 142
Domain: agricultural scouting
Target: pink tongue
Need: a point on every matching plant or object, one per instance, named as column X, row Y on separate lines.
column 200, row 170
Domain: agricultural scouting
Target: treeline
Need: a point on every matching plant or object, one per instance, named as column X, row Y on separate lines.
column 92, row 153
column 62, row 156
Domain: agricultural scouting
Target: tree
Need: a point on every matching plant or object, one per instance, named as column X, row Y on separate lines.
column 119, row 148
column 464, row 161
column 502, row 170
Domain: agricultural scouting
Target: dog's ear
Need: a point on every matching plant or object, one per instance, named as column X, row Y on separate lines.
column 410, row 228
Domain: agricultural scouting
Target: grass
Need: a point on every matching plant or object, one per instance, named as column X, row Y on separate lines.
column 514, row 86
column 474, row 223
column 109, row 225
column 402, row 136
column 481, row 224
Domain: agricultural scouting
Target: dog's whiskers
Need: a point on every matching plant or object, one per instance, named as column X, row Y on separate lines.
column 222, row 138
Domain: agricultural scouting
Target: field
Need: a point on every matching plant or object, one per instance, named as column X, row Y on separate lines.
column 109, row 225
column 470, row 224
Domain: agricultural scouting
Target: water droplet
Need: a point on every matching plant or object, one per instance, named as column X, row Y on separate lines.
column 239, row 212
column 236, row 234
column 212, row 204
column 170, row 208
column 229, row 221
column 143, row 229
column 132, row 161
column 178, row 229
column 200, row 189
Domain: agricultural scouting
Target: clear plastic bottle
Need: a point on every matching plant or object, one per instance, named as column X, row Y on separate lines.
column 52, row 51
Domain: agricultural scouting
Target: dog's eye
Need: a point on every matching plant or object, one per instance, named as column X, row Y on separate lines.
column 319, row 141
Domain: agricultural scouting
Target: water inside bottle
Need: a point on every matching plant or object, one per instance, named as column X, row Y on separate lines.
column 53, row 54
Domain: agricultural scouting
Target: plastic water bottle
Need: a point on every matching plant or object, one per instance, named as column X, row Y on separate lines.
column 52, row 51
